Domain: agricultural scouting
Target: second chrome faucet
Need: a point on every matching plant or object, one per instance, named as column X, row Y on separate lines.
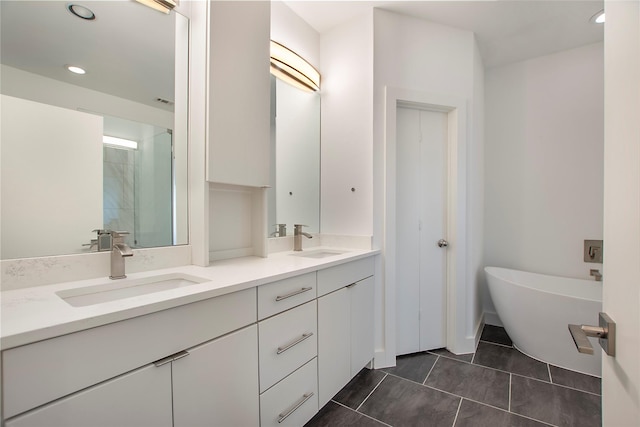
column 297, row 237
column 119, row 251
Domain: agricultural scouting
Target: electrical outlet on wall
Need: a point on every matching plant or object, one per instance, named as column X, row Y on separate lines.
column 593, row 251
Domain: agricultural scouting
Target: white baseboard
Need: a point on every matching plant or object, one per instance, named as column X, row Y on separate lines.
column 383, row 360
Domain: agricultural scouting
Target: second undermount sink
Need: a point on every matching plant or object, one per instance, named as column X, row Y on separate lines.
column 127, row 288
column 319, row 253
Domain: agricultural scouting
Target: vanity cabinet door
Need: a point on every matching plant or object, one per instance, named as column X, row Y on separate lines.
column 141, row 398
column 217, row 383
column 362, row 320
column 345, row 336
column 334, row 335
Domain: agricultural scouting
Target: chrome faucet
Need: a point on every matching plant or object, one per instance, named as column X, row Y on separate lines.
column 119, row 251
column 281, row 231
column 297, row 236
column 596, row 274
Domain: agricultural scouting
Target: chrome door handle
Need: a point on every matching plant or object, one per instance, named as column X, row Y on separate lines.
column 606, row 334
column 443, row 243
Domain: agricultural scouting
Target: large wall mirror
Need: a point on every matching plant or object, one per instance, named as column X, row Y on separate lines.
column 295, row 158
column 61, row 178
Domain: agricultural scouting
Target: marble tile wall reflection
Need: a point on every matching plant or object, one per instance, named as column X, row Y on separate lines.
column 118, row 201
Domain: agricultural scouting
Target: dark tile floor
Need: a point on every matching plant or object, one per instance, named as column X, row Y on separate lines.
column 496, row 386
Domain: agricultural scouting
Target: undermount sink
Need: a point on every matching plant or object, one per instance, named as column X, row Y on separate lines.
column 319, row 253
column 126, row 288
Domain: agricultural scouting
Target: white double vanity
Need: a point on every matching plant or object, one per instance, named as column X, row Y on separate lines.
column 259, row 341
column 258, row 337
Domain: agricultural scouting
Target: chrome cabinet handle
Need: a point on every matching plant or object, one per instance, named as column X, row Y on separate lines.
column 296, row 342
column 443, row 243
column 283, row 416
column 169, row 359
column 292, row 294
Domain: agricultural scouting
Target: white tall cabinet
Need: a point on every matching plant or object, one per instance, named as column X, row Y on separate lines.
column 239, row 93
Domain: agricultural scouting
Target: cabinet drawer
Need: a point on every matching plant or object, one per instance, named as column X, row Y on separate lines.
column 38, row 373
column 293, row 401
column 282, row 295
column 337, row 277
column 286, row 342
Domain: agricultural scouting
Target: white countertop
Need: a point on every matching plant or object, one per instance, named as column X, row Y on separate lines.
column 37, row 313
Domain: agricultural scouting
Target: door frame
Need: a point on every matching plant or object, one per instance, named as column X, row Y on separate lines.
column 456, row 292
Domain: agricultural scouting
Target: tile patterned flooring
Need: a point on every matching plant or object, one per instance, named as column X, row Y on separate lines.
column 496, row 386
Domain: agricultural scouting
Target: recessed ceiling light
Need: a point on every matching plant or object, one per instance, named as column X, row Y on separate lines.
column 81, row 11
column 75, row 70
column 598, row 18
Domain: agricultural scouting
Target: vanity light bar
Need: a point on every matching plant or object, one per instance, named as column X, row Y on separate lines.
column 119, row 142
column 293, row 69
column 164, row 6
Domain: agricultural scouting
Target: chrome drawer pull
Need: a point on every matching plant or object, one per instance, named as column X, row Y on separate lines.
column 283, row 416
column 298, row 341
column 169, row 359
column 292, row 294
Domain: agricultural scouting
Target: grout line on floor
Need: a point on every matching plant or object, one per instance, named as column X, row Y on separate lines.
column 457, row 412
column 510, row 378
column 429, row 373
column 451, row 357
column 496, row 343
column 463, row 397
column 559, row 385
column 360, row 413
column 374, row 389
column 502, row 409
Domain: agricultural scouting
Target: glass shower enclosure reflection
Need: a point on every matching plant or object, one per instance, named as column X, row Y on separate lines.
column 138, row 192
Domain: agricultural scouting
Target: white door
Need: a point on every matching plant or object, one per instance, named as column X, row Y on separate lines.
column 621, row 281
column 420, row 223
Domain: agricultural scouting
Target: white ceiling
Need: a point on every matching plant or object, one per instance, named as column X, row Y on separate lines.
column 506, row 30
column 42, row 36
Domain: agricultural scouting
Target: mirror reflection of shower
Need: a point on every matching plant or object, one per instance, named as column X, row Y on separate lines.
column 138, row 186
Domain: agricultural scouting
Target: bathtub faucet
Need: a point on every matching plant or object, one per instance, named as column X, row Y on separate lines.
column 596, row 274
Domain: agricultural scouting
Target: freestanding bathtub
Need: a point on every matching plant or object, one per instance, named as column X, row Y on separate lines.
column 536, row 309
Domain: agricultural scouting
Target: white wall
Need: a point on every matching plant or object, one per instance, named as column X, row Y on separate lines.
column 347, row 128
column 544, row 162
column 424, row 57
column 476, row 198
column 39, row 144
column 290, row 30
